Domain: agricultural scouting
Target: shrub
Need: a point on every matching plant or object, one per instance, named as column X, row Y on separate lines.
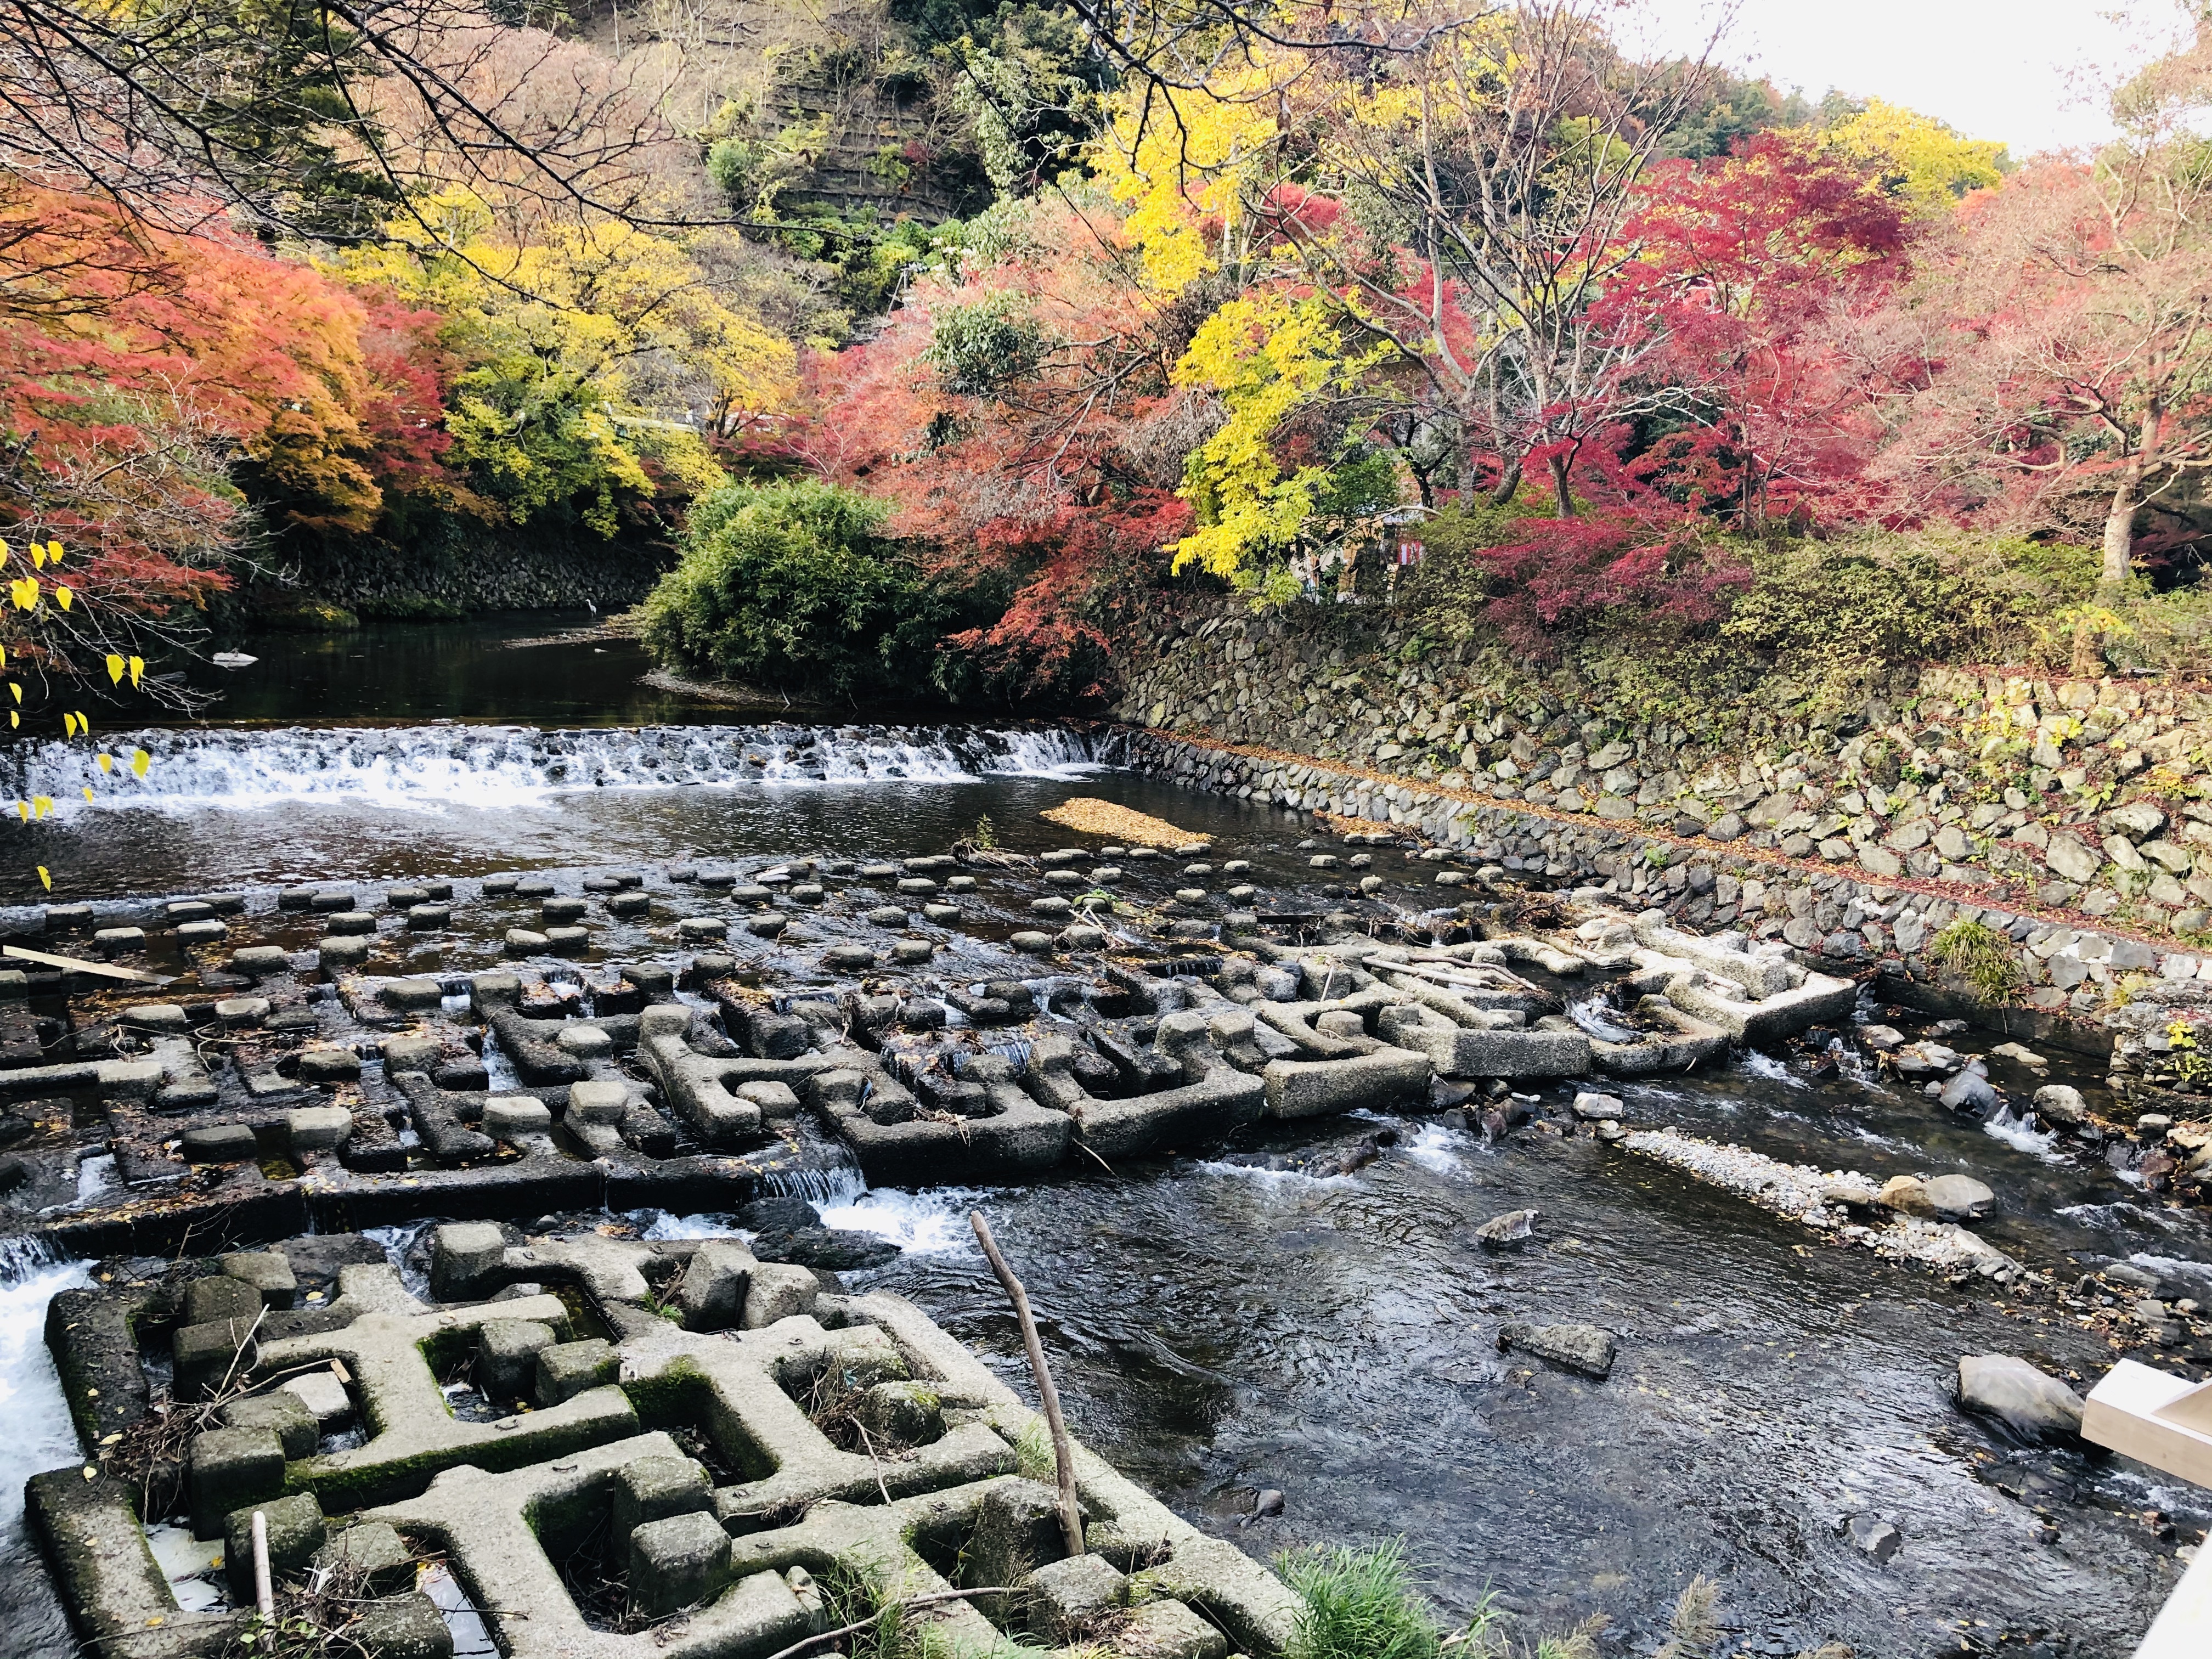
column 792, row 586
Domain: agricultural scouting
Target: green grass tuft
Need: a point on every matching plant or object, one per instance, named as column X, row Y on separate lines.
column 1359, row 1604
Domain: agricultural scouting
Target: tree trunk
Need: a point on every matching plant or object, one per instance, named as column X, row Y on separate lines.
column 1561, row 486
column 2120, row 531
column 1509, row 484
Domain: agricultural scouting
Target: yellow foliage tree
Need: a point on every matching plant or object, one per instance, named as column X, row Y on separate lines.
column 1931, row 165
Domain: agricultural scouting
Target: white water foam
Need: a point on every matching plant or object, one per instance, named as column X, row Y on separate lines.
column 39, row 1435
column 1435, row 1147
column 934, row 1222
column 2014, row 1132
column 1276, row 1181
column 491, row 767
column 1770, row 1069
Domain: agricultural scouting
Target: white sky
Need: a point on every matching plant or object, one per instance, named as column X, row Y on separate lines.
column 2021, row 71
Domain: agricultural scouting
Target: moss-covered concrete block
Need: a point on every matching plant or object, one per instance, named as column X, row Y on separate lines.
column 296, row 1531
column 229, row 1469
column 565, row 1370
column 267, row 1271
column 283, row 1414
column 654, row 1488
column 677, row 1563
column 507, row 1360
column 408, row 1626
column 465, row 1259
column 207, row 1300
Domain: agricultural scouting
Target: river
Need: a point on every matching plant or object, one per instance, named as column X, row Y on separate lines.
column 1220, row 1328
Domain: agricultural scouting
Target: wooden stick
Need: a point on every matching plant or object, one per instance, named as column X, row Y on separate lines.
column 79, row 965
column 263, row 1596
column 1063, row 1454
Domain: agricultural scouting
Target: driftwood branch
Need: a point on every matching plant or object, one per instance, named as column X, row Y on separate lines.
column 1063, row 1454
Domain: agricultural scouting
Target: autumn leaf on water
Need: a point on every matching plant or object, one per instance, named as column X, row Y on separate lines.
column 46, row 880
column 41, row 804
column 140, row 760
column 88, row 795
column 108, row 762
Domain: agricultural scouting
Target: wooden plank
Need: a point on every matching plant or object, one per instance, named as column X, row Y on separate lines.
column 78, row 965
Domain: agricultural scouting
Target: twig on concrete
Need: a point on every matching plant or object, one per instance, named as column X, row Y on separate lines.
column 1063, row 1454
column 904, row 1604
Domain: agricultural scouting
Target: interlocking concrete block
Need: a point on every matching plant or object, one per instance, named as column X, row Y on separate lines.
column 713, row 1295
column 595, row 1101
column 464, row 1260
column 647, row 1489
column 229, row 1469
column 677, row 1563
column 900, row 1414
column 296, row 1531
column 202, row 1356
column 506, row 1116
column 267, row 1271
column 1168, row 1629
column 370, row 1555
column 324, row 1395
column 406, row 1627
column 565, row 1370
column 506, row 1360
column 774, row 1291
column 319, row 1128
column 219, row 1143
column 283, row 1414
column 1071, row 1599
column 220, row 1296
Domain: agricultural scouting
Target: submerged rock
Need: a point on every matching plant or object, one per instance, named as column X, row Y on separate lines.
column 1874, row 1535
column 1583, row 1348
column 2028, row 1402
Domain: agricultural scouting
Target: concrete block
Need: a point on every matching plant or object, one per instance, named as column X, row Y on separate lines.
column 319, row 1128
column 409, row 996
column 507, row 1361
column 220, row 1143
column 774, row 1291
column 651, row 1489
column 220, row 1296
column 202, row 1355
column 508, row 1115
column 323, row 1395
column 677, row 1563
column 463, row 1256
column 331, row 1064
column 565, row 1370
column 596, row 1101
column 229, row 1469
column 405, row 1626
column 296, row 1532
column 1069, row 1600
column 267, row 1271
column 371, row 1555
column 284, row 1415
column 713, row 1294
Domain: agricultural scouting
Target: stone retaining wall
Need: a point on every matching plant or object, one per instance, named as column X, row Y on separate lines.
column 495, row 572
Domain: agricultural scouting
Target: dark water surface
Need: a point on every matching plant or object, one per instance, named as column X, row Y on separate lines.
column 1219, row 1329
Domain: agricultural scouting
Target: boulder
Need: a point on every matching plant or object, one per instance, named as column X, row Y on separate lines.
column 1583, row 1348
column 1509, row 1231
column 2032, row 1404
column 2061, row 1104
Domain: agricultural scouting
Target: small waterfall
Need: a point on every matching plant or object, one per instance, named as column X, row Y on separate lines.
column 494, row 766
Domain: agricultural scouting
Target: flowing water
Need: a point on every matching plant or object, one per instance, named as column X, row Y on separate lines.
column 1220, row 1328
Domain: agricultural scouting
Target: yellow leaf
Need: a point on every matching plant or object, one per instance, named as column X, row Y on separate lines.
column 41, row 804
column 53, row 552
column 83, row 723
column 23, row 811
column 14, row 719
column 47, row 882
column 140, row 760
column 38, row 556
column 64, row 596
column 69, row 724
column 114, row 670
column 108, row 762
column 137, row 668
column 88, row 790
column 17, row 690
